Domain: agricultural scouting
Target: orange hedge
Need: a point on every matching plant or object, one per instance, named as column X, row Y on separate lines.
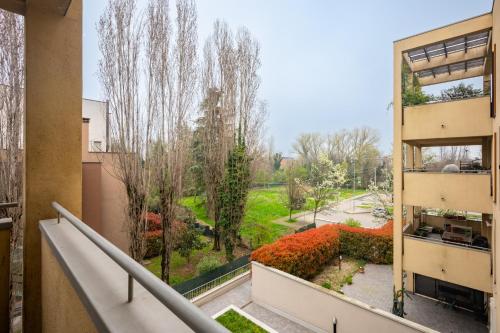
column 305, row 254
column 372, row 245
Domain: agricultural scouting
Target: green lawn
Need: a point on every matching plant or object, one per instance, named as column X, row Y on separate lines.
column 264, row 205
column 236, row 323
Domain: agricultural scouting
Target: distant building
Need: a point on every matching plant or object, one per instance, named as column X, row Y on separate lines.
column 97, row 113
column 286, row 161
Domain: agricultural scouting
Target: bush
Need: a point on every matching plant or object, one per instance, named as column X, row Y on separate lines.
column 327, row 285
column 352, row 223
column 372, row 245
column 303, row 254
column 154, row 240
column 207, row 264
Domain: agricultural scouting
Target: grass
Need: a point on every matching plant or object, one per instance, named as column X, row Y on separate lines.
column 264, row 205
column 236, row 323
column 180, row 269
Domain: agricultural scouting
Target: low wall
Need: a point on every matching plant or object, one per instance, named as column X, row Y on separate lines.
column 316, row 307
column 63, row 311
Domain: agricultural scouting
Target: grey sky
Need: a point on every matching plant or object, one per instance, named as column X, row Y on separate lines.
column 326, row 65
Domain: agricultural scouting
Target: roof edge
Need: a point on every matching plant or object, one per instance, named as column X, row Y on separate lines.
column 444, row 26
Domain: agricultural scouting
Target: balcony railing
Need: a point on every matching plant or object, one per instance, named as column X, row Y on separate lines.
column 187, row 312
column 469, row 190
column 456, row 118
column 466, row 266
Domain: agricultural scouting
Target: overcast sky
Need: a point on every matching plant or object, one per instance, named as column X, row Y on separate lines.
column 326, row 65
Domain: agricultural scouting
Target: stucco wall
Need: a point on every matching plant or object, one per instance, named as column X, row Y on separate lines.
column 496, row 156
column 91, row 196
column 463, row 118
column 316, row 307
column 469, row 192
column 62, row 309
column 104, row 195
column 5, row 230
column 455, row 264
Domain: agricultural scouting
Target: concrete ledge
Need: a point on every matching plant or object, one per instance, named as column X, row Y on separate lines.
column 101, row 285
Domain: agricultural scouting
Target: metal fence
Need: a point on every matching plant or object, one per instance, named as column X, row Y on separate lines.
column 215, row 277
column 216, row 282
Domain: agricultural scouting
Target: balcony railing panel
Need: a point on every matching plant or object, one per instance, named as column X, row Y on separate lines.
column 466, row 266
column 450, row 119
column 456, row 191
column 101, row 274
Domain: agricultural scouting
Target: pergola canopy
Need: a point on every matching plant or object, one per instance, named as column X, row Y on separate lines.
column 457, row 58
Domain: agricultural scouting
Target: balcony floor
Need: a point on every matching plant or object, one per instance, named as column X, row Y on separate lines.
column 374, row 287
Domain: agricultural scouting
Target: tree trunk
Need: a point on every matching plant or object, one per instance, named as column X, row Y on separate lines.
column 315, row 211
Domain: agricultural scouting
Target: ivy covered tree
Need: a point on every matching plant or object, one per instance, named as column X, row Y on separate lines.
column 233, row 195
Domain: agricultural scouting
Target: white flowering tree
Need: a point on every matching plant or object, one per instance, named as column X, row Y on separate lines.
column 324, row 179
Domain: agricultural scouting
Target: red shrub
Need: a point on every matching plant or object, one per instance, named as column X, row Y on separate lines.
column 153, row 222
column 154, row 241
column 372, row 245
column 303, row 254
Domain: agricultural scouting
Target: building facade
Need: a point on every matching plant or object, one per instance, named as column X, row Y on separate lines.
column 445, row 220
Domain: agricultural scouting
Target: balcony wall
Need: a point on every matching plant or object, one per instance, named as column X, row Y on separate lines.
column 452, row 263
column 454, row 119
column 315, row 307
column 457, row 191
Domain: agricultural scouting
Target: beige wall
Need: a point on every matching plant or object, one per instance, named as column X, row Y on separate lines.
column 496, row 146
column 315, row 307
column 62, row 309
column 456, row 191
column 105, row 197
column 464, row 266
column 53, row 170
column 4, row 275
column 465, row 118
column 91, row 195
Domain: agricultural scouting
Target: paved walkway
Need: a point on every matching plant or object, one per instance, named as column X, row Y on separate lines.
column 344, row 210
column 241, row 298
column 374, row 287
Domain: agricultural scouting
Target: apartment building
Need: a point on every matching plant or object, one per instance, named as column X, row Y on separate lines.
column 445, row 220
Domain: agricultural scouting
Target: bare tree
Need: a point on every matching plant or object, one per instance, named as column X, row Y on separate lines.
column 119, row 31
column 309, row 146
column 11, row 129
column 172, row 72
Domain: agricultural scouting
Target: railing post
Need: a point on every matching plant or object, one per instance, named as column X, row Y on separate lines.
column 130, row 288
column 5, row 231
